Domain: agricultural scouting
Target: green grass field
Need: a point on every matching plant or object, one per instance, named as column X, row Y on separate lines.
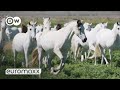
column 73, row 69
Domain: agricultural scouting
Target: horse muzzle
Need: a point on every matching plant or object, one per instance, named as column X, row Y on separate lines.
column 33, row 39
column 84, row 40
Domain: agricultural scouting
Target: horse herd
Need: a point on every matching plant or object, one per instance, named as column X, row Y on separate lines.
column 77, row 37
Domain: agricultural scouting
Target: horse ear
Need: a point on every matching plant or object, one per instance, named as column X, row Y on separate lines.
column 78, row 22
column 106, row 23
column 49, row 18
column 35, row 23
column 91, row 24
column 102, row 22
column 118, row 23
column 29, row 23
column 82, row 21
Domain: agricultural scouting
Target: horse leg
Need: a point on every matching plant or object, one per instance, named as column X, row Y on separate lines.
column 89, row 51
column 98, row 48
column 15, row 56
column 45, row 59
column 91, row 47
column 102, row 60
column 40, row 52
column 75, row 54
column 59, row 54
column 105, row 58
column 23, row 62
column 50, row 56
column 9, row 38
column 72, row 51
column 78, row 51
column 82, row 57
column 40, row 57
column 103, row 55
column 110, row 55
column 95, row 60
column 85, row 55
column 3, row 57
column 26, row 56
column 49, row 63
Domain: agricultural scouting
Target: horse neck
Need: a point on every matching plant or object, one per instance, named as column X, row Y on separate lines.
column 116, row 36
column 67, row 31
column 114, row 30
column 28, row 36
column 47, row 29
column 87, row 32
column 97, row 28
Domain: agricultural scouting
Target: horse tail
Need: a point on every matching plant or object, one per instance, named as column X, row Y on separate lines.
column 34, row 57
column 97, row 52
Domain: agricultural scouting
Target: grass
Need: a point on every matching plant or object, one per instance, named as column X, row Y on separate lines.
column 72, row 69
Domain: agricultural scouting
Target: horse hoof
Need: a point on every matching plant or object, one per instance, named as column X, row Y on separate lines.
column 55, row 73
column 107, row 63
column 23, row 65
column 51, row 70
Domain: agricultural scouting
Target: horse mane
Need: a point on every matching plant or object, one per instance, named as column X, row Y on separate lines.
column 59, row 26
column 24, row 28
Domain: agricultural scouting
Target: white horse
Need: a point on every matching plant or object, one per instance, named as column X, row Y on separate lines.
column 22, row 42
column 39, row 31
column 58, row 42
column 3, row 26
column 76, row 42
column 2, row 30
column 39, row 28
column 11, row 32
column 107, row 39
column 90, row 34
column 46, row 25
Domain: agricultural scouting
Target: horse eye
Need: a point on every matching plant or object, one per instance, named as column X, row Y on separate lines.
column 41, row 29
column 79, row 28
column 30, row 29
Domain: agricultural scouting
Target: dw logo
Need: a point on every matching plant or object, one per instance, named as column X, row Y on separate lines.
column 13, row 21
